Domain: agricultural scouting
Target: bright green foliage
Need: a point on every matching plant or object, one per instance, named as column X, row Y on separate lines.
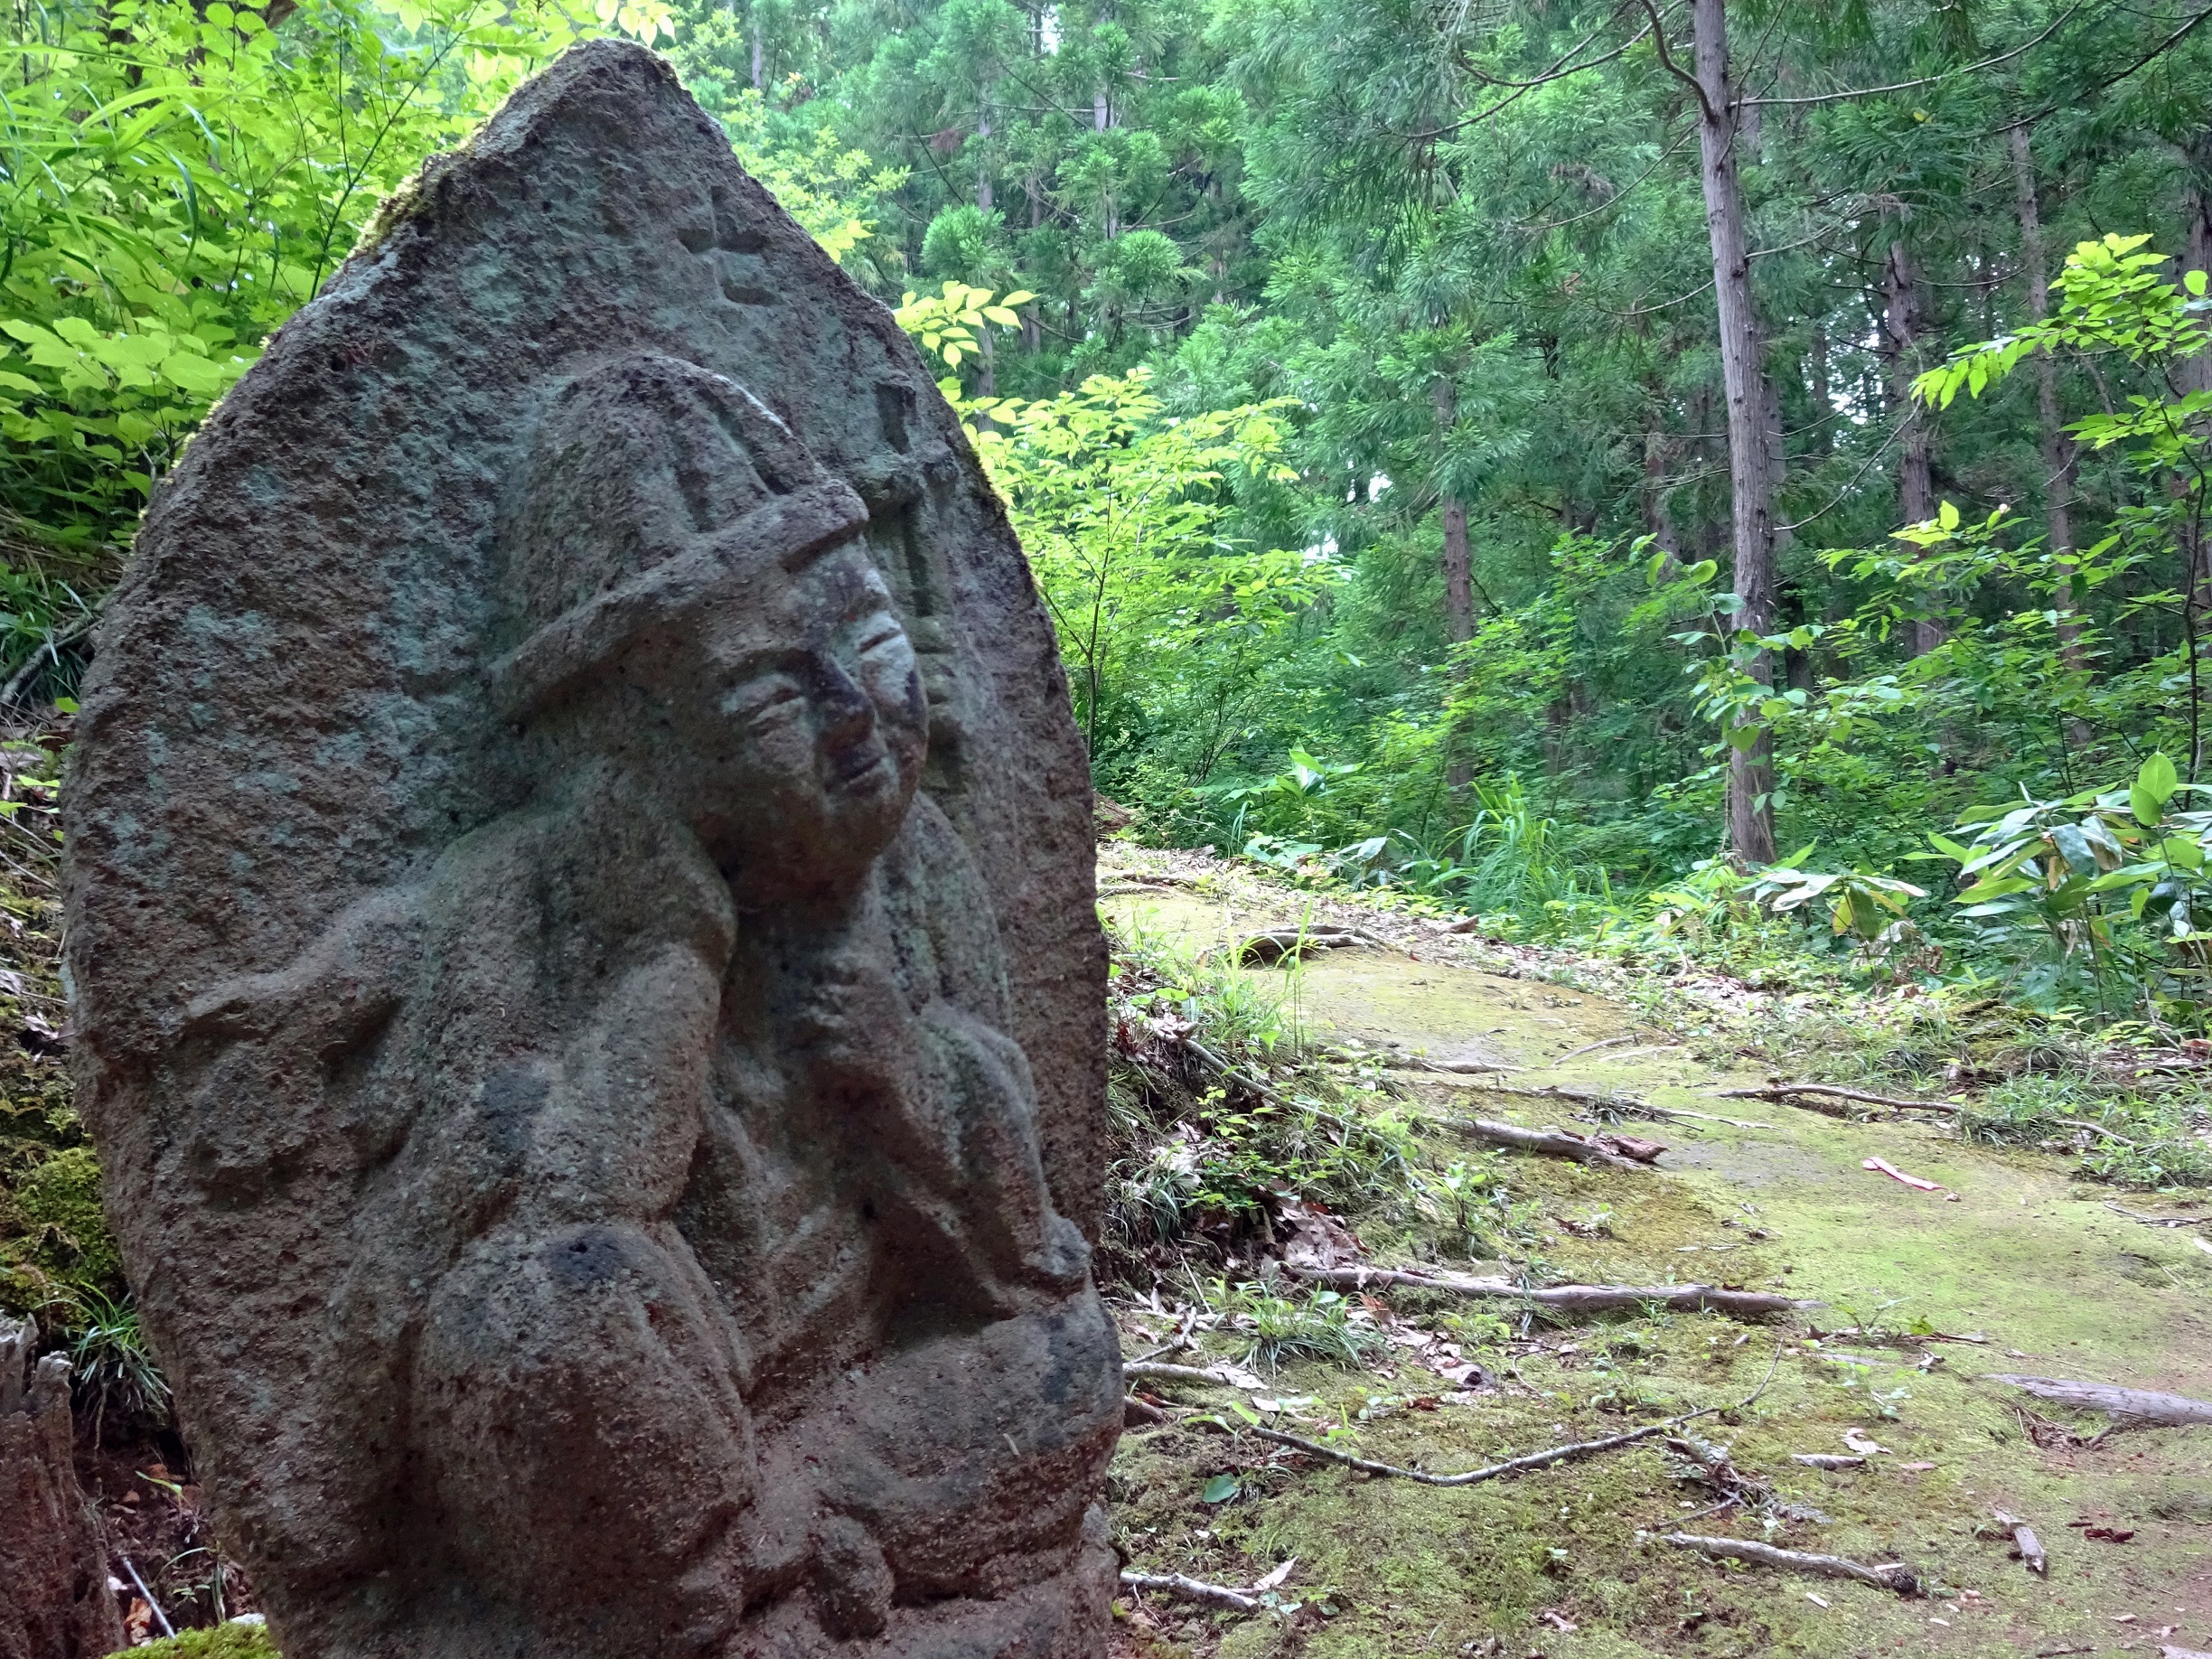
column 1164, row 617
column 2107, row 886
column 833, row 192
column 175, row 180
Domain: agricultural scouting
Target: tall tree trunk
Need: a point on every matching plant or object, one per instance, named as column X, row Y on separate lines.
column 982, row 154
column 2196, row 373
column 1458, row 560
column 1459, row 578
column 2057, row 448
column 1658, row 519
column 1817, row 371
column 760, row 52
column 1916, row 481
column 1750, row 808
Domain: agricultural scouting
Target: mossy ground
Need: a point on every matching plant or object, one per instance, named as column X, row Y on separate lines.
column 2022, row 1254
column 231, row 1641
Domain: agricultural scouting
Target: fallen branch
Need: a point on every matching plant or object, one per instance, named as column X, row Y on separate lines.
column 2159, row 1221
column 1826, row 1460
column 1511, row 1465
column 1192, row 1590
column 1576, row 1298
column 1783, row 1092
column 1891, row 1575
column 2131, row 1403
column 1591, row 1048
column 1157, row 1371
column 2096, row 1129
column 1702, row 1117
column 1550, row 1142
column 2030, row 1547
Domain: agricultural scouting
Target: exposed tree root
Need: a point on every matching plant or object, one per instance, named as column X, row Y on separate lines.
column 2140, row 1404
column 1192, row 1590
column 1552, row 1142
column 1574, row 1298
column 1786, row 1092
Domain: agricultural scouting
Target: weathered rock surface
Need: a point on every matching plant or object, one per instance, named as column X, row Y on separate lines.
column 54, row 1602
column 581, row 919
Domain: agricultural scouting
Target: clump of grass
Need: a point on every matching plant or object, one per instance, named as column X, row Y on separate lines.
column 2120, row 1135
column 1222, row 1113
column 1478, row 1212
column 1325, row 1326
column 113, row 1367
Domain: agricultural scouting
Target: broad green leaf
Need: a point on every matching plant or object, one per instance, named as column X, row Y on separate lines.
column 2154, row 787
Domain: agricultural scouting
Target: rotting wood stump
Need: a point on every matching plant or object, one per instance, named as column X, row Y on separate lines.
column 53, row 1561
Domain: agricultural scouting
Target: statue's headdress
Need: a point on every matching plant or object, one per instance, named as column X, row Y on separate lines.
column 651, row 486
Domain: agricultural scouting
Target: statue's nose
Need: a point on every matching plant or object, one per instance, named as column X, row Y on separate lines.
column 843, row 711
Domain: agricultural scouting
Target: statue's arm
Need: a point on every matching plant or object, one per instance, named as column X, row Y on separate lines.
column 349, row 976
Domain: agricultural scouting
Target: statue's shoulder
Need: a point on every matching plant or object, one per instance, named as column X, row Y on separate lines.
column 583, row 867
column 943, row 920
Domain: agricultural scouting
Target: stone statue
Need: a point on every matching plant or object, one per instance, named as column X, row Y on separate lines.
column 582, row 929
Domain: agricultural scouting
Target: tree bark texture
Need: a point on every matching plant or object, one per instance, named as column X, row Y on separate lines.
column 1901, row 319
column 54, row 1601
column 1752, row 470
column 1458, row 559
column 2059, row 460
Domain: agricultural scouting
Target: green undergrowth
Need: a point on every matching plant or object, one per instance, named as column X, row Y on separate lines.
column 55, row 1248
column 2126, row 1104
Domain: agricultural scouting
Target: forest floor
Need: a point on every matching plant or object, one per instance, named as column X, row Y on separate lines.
column 2017, row 1264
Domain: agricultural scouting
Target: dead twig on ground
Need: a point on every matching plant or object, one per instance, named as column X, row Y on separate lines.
column 1890, row 1574
column 2140, row 1404
column 2096, row 1129
column 1574, row 1298
column 1591, row 1048
column 1784, row 1093
column 1154, row 1370
column 2159, row 1221
column 1702, row 1117
column 152, row 1605
column 1192, row 1590
column 1553, row 1142
column 1511, row 1465
column 2030, row 1547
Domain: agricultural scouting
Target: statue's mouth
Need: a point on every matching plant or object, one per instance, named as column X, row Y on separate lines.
column 856, row 766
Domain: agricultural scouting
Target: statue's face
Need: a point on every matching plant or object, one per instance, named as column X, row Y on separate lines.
column 806, row 723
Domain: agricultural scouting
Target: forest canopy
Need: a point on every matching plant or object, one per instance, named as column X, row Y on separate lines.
column 1656, row 472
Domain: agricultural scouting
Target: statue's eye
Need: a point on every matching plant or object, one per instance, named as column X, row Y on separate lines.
column 884, row 631
column 766, row 698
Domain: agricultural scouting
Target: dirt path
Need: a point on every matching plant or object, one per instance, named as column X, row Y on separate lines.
column 2013, row 1251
